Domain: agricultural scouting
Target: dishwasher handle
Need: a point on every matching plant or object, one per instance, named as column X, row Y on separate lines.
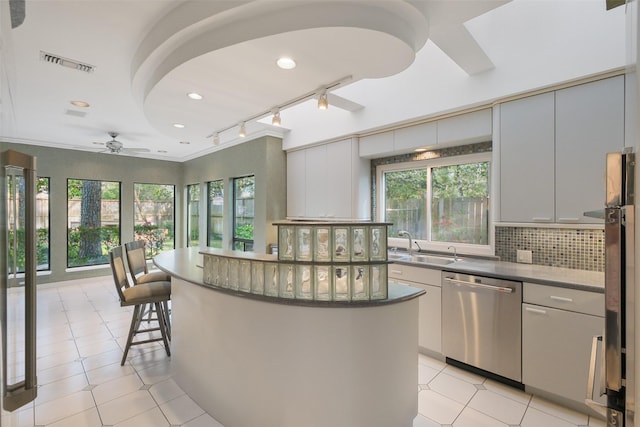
column 500, row 289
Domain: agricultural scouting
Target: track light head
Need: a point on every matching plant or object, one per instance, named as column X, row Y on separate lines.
column 216, row 139
column 323, row 103
column 243, row 130
column 275, row 120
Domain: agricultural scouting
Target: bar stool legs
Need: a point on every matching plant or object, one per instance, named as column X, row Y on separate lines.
column 135, row 328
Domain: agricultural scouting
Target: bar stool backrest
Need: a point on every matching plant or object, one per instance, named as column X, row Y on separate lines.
column 119, row 272
column 136, row 259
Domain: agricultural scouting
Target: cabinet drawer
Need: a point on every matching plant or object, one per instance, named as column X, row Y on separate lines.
column 556, row 350
column 564, row 298
column 427, row 276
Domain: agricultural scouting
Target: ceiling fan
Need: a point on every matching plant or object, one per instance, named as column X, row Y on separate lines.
column 116, row 147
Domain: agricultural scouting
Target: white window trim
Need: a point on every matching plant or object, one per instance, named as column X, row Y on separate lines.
column 428, row 245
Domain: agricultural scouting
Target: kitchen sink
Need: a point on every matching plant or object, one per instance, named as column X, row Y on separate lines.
column 403, row 257
column 423, row 258
column 432, row 259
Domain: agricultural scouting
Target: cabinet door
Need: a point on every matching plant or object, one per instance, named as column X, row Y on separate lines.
column 589, row 123
column 316, row 182
column 338, row 174
column 527, row 159
column 556, row 347
column 296, row 171
column 430, row 326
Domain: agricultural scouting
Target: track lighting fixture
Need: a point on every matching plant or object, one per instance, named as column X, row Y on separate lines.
column 323, row 103
column 276, row 118
column 320, row 93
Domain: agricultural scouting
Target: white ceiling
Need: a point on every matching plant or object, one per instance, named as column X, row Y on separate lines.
column 148, row 54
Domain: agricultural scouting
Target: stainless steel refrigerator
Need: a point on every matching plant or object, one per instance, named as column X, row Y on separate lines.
column 617, row 346
column 17, row 280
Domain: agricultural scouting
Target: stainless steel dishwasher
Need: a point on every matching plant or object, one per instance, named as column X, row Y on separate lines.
column 481, row 323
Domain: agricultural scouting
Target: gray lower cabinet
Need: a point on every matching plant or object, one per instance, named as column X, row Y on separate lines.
column 430, row 306
column 557, row 338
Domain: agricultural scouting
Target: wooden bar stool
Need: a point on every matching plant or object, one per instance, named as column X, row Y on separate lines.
column 154, row 293
column 140, row 274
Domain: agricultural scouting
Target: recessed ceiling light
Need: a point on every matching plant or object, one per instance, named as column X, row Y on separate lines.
column 80, row 104
column 185, row 142
column 286, row 63
column 162, row 151
column 194, row 95
column 178, row 125
column 420, row 150
column 98, row 143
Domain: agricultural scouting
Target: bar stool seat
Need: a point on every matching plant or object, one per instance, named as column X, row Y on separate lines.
column 157, row 294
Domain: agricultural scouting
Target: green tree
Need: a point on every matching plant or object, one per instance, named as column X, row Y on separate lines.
column 90, row 220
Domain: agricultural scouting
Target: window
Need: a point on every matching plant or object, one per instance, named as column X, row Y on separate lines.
column 154, row 216
column 15, row 203
column 440, row 202
column 42, row 224
column 215, row 217
column 193, row 214
column 93, row 221
column 243, row 201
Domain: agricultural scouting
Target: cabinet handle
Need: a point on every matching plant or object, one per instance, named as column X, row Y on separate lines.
column 596, row 406
column 568, row 219
column 561, row 299
column 396, row 272
column 535, row 310
column 541, row 219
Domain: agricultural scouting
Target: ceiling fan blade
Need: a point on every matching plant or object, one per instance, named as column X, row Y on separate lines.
column 135, row 150
column 17, row 12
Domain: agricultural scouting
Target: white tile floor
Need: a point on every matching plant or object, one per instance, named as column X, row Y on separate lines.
column 81, row 332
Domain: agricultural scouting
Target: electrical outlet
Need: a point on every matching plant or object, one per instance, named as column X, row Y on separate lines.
column 525, row 257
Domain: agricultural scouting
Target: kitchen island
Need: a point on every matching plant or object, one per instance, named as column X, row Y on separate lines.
column 255, row 360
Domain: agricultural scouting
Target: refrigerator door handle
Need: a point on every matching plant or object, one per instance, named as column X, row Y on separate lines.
column 22, row 392
column 613, row 297
column 589, row 400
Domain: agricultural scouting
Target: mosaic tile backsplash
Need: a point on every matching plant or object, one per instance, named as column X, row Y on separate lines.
column 581, row 249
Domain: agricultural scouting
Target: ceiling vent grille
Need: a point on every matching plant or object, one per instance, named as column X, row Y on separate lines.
column 66, row 62
column 75, row 113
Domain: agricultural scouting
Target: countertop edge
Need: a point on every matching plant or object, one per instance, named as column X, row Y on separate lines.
column 591, row 281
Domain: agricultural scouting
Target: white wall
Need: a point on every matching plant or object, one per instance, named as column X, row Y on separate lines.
column 533, row 44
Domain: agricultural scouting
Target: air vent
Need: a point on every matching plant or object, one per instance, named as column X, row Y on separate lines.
column 75, row 113
column 66, row 62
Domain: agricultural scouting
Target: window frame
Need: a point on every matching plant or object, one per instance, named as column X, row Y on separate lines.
column 209, row 216
column 149, row 252
column 428, row 164
column 234, row 239
column 189, row 215
column 119, row 234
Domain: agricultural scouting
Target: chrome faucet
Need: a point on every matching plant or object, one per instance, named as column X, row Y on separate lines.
column 455, row 253
column 404, row 233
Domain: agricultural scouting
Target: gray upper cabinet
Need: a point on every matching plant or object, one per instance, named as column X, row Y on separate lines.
column 527, row 159
column 589, row 124
column 405, row 140
column 328, row 181
column 552, row 152
column 466, row 128
column 377, row 145
column 457, row 130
